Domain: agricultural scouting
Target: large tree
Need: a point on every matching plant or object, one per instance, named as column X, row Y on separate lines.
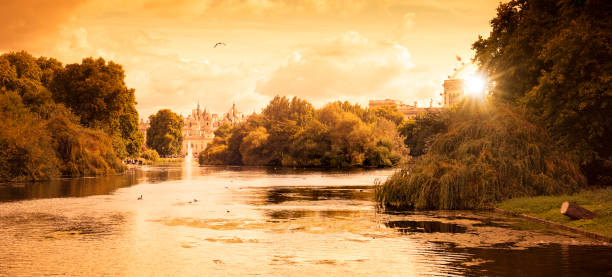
column 165, row 133
column 39, row 138
column 555, row 58
column 95, row 91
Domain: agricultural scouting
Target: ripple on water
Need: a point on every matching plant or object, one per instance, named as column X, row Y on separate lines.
column 327, row 225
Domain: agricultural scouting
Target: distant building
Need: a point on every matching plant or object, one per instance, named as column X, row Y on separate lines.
column 453, row 91
column 386, row 102
column 198, row 130
column 142, row 128
column 409, row 111
column 199, row 127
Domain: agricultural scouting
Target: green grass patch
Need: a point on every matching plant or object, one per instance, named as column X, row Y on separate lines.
column 169, row 160
column 548, row 208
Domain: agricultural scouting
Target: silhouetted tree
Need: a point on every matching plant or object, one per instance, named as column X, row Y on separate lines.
column 555, row 58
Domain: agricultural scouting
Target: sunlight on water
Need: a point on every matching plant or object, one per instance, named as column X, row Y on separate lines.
column 199, row 221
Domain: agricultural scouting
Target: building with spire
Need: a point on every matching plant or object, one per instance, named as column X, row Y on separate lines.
column 199, row 127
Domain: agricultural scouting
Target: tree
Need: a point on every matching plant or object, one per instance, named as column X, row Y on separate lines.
column 293, row 133
column 21, row 73
column 95, row 91
column 554, row 58
column 26, row 148
column 419, row 131
column 252, row 145
column 390, row 113
column 165, row 133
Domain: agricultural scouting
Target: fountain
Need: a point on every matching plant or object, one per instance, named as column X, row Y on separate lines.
column 189, row 155
column 187, row 162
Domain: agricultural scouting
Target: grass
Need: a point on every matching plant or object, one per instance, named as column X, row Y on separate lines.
column 162, row 161
column 169, row 160
column 547, row 207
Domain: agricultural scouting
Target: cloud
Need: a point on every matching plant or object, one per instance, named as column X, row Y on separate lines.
column 400, row 49
column 349, row 67
column 24, row 21
column 255, row 8
column 178, row 83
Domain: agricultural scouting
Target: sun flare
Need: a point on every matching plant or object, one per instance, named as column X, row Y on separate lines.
column 475, row 85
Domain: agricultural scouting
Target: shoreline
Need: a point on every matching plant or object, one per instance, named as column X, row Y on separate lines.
column 591, row 235
column 546, row 210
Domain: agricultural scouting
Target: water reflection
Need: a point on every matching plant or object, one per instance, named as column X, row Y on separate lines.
column 295, row 214
column 547, row 260
column 88, row 186
column 279, row 195
column 261, row 221
column 409, row 226
column 77, row 187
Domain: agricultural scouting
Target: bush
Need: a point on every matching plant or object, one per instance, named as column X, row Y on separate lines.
column 150, row 154
column 40, row 147
column 26, row 150
column 83, row 151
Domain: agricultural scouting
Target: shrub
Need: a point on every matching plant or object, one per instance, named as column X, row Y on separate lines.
column 150, row 154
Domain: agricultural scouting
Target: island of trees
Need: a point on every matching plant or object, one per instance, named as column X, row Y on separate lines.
column 293, row 133
column 546, row 127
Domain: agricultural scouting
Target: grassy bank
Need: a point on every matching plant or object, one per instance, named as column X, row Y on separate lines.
column 162, row 161
column 547, row 207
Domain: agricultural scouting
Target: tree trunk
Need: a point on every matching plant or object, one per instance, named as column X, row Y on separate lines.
column 575, row 211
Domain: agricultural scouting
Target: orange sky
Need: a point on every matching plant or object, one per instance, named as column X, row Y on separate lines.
column 321, row 50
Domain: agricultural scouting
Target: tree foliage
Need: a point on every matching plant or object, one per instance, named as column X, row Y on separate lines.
column 26, row 147
column 554, row 58
column 96, row 92
column 390, row 113
column 165, row 133
column 293, row 133
column 41, row 138
column 421, row 130
column 150, row 154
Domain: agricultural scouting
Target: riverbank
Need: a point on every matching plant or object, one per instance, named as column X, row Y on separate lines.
column 164, row 161
column 547, row 208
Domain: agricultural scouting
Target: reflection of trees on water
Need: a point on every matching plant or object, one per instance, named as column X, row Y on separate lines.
column 286, row 194
column 409, row 226
column 547, row 260
column 85, row 186
column 293, row 214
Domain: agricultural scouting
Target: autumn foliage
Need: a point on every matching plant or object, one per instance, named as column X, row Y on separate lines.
column 294, row 133
column 78, row 119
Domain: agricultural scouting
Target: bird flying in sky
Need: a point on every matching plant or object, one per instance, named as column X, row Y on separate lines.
column 219, row 44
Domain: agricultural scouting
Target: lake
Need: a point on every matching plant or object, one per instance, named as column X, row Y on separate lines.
column 234, row 221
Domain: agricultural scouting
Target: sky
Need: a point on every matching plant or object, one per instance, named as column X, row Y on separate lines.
column 319, row 50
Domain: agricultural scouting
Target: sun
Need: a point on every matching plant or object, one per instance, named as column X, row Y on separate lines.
column 475, row 85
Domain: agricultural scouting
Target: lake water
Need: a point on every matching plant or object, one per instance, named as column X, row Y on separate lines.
column 262, row 222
